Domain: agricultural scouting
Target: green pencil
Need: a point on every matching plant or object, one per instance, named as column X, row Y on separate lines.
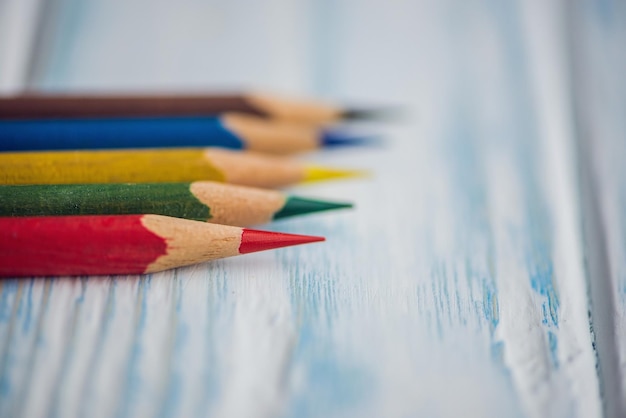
column 203, row 200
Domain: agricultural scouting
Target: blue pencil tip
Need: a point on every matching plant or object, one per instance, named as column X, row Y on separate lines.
column 339, row 138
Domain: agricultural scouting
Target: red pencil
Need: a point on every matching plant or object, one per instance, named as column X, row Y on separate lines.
column 123, row 244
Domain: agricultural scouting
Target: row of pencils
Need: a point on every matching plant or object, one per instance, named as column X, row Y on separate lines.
column 95, row 185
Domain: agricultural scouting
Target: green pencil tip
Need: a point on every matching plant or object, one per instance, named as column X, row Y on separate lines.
column 301, row 206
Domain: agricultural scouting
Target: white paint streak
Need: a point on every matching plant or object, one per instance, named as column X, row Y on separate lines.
column 548, row 61
column 255, row 360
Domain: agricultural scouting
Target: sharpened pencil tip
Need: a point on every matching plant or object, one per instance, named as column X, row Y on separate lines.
column 339, row 138
column 317, row 173
column 301, row 206
column 253, row 240
column 372, row 113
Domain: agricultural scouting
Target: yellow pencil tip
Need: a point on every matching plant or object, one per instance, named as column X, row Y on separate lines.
column 317, row 173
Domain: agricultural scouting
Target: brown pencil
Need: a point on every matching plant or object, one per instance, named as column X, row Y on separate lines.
column 41, row 106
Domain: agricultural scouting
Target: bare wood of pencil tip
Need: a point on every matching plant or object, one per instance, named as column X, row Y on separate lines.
column 257, row 170
column 238, row 205
column 189, row 242
column 312, row 112
column 274, row 137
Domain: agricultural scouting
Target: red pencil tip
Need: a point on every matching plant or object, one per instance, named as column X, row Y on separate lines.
column 253, row 240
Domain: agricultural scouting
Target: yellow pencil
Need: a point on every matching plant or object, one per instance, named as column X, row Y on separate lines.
column 163, row 165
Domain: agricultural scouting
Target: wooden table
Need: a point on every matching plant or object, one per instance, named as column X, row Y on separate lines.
column 482, row 272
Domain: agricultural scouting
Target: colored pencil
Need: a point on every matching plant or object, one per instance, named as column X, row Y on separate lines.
column 94, row 105
column 123, row 244
column 162, row 165
column 202, row 201
column 229, row 131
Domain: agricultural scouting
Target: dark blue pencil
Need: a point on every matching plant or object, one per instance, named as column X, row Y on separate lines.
column 229, row 131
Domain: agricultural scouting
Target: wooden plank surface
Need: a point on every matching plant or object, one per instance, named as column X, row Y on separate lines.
column 598, row 64
column 456, row 287
column 19, row 23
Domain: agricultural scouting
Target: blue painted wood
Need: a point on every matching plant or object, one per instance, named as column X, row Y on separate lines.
column 456, row 288
column 65, row 134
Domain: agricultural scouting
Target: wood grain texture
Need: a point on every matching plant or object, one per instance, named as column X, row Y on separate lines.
column 598, row 33
column 457, row 287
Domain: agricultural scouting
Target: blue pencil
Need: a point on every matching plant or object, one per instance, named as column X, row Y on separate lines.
column 229, row 131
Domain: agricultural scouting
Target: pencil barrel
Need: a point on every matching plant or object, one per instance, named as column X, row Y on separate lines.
column 91, row 106
column 68, row 134
column 82, row 245
column 170, row 199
